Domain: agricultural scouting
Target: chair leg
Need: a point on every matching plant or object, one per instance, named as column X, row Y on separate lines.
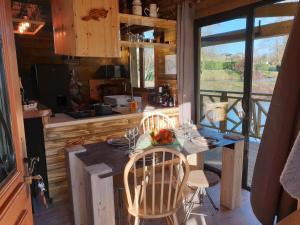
column 136, row 221
column 175, row 219
column 169, row 220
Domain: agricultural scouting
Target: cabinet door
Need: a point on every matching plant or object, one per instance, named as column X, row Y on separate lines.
column 97, row 37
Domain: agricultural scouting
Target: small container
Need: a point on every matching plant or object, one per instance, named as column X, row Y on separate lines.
column 133, row 106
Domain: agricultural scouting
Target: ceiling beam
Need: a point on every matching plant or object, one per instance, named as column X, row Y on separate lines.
column 212, row 7
column 270, row 30
column 277, row 10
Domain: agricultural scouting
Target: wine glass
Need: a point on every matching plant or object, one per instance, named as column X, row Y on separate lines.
column 135, row 132
column 131, row 135
column 128, row 136
column 190, row 125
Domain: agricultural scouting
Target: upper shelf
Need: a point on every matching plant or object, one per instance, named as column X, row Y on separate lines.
column 147, row 21
column 147, row 45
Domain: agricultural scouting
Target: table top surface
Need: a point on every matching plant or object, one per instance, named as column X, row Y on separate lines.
column 117, row 159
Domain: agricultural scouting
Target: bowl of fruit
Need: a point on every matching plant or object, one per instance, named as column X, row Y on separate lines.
column 162, row 137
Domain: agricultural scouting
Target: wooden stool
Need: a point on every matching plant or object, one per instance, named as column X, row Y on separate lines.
column 201, row 180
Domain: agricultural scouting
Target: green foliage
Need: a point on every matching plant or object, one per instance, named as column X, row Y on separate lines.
column 218, row 65
column 274, row 68
column 212, row 65
column 229, row 65
column 262, row 67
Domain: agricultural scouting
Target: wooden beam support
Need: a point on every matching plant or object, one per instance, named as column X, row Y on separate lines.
column 265, row 31
column 277, row 10
column 208, row 7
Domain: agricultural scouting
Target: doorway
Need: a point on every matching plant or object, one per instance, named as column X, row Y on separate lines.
column 238, row 60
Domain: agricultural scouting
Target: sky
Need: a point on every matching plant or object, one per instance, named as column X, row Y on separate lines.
column 239, row 24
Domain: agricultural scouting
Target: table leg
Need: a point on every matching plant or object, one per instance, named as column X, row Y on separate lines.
column 75, row 169
column 100, row 195
column 231, row 180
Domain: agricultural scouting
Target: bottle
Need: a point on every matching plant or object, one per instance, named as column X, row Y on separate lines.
column 171, row 102
column 133, row 106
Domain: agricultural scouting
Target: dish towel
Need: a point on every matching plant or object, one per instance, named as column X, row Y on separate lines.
column 290, row 177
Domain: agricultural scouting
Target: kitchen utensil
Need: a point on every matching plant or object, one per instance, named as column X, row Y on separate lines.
column 153, row 11
column 137, row 8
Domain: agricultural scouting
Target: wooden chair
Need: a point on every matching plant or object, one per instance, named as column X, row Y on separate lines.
column 154, row 181
column 156, row 121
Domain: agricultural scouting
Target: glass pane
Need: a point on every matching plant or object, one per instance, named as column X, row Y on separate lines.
column 149, row 78
column 7, row 155
column 267, row 55
column 222, row 56
column 135, row 67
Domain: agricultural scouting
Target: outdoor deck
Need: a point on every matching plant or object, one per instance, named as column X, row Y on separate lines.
column 233, row 122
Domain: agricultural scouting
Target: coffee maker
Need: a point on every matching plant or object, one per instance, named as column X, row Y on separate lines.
column 163, row 96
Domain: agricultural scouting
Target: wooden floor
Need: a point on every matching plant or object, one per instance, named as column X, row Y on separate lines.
column 61, row 214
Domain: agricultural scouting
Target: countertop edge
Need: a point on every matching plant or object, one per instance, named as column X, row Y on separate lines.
column 42, row 111
column 106, row 118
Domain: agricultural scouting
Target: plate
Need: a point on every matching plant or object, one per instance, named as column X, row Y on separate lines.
column 117, row 141
column 207, row 141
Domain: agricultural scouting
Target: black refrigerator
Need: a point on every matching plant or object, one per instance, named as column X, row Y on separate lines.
column 50, row 85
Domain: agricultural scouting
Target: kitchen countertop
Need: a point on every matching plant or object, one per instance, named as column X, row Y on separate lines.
column 42, row 111
column 61, row 119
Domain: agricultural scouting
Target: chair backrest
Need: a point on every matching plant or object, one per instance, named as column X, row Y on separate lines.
column 156, row 121
column 216, row 111
column 154, row 181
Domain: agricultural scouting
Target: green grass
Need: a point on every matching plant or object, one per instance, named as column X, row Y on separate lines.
column 224, row 80
column 214, row 75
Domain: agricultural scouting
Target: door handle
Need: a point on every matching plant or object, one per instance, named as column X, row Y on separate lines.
column 31, row 163
column 29, row 179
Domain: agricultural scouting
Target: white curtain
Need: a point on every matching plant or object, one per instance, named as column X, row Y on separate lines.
column 185, row 60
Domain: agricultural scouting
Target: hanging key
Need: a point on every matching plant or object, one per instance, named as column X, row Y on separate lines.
column 42, row 190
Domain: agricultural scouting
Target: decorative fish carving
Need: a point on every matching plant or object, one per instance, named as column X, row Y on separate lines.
column 95, row 14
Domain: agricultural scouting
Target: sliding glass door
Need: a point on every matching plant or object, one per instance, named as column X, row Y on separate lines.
column 222, row 60
column 273, row 23
column 238, row 60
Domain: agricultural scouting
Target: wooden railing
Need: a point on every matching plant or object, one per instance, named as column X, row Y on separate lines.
column 259, row 104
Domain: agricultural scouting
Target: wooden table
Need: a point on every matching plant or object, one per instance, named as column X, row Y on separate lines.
column 92, row 167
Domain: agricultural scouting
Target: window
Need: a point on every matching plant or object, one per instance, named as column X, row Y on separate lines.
column 142, row 65
column 7, row 155
column 148, row 65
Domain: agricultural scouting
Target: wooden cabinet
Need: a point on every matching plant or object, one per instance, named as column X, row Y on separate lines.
column 86, row 28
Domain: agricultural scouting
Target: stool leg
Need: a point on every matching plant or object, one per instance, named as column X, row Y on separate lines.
column 201, row 195
column 211, row 201
column 190, row 204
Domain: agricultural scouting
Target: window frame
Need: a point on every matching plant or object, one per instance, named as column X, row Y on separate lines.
column 248, row 13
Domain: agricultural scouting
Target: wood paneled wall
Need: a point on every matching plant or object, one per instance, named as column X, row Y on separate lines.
column 39, row 49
